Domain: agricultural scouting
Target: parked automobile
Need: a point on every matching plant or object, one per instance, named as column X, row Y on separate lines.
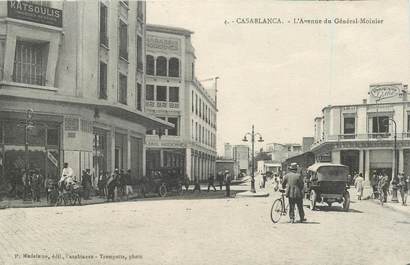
column 328, row 183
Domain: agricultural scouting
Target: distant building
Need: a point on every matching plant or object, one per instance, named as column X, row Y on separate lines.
column 264, row 166
column 280, row 152
column 228, row 151
column 173, row 94
column 241, row 155
column 307, row 143
column 238, row 153
column 227, row 164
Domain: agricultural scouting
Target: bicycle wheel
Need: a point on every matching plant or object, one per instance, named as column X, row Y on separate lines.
column 276, row 210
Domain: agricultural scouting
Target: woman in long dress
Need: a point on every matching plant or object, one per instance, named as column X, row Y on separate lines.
column 359, row 184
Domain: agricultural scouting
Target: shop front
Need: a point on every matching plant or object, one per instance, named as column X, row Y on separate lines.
column 34, row 145
column 381, row 162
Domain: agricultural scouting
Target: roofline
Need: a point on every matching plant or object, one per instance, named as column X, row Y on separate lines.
column 168, row 29
column 364, row 104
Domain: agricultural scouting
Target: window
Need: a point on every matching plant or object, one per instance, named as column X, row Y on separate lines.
column 173, row 67
column 173, row 131
column 140, row 13
column 196, row 131
column 192, row 130
column 52, row 136
column 150, row 65
column 200, row 107
column 122, row 95
column 103, row 81
column 349, row 125
column 150, row 132
column 139, row 96
column 199, row 133
column 193, row 71
column 192, row 102
column 161, row 93
column 408, row 123
column 381, row 124
column 103, row 24
column 149, row 92
column 140, row 64
column 161, row 66
column 174, row 94
column 196, row 104
column 123, row 30
column 30, row 63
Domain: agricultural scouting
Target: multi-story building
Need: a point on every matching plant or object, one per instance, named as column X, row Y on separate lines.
column 173, row 94
column 362, row 136
column 71, row 79
column 228, row 151
column 280, row 152
column 241, row 155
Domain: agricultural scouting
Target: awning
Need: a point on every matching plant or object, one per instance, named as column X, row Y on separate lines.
column 123, row 111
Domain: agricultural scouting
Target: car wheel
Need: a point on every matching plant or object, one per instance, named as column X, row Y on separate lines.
column 312, row 198
column 163, row 190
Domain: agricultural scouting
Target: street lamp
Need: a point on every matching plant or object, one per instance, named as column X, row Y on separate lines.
column 394, row 189
column 252, row 135
column 28, row 124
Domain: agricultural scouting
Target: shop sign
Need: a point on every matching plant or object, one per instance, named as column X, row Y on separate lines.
column 324, row 157
column 35, row 13
column 384, row 91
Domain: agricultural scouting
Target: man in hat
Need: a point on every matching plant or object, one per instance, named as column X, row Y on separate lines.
column 293, row 183
column 228, row 183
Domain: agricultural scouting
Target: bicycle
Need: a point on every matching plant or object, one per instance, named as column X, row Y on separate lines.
column 279, row 207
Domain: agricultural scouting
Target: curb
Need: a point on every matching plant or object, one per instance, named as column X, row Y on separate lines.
column 249, row 194
column 389, row 206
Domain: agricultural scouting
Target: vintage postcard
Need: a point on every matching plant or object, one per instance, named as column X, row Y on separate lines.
column 204, row 132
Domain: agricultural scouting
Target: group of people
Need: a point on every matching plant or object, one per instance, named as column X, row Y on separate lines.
column 223, row 177
column 118, row 184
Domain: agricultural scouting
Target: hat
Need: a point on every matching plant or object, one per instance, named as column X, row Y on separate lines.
column 293, row 166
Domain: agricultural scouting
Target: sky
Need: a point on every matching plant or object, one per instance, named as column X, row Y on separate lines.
column 280, row 76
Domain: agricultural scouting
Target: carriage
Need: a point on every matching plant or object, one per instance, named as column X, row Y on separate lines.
column 328, row 183
column 160, row 182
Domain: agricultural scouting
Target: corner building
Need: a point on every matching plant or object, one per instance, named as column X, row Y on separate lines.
column 361, row 136
column 173, row 94
column 79, row 66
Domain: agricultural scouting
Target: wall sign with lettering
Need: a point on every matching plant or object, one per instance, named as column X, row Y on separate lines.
column 384, row 91
column 35, row 13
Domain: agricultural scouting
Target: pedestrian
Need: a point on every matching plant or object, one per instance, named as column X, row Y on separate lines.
column 66, row 172
column 112, row 183
column 121, row 188
column 101, row 184
column 86, row 183
column 293, row 183
column 211, row 182
column 374, row 180
column 35, row 185
column 228, row 183
column 384, row 186
column 220, row 179
column 276, row 182
column 197, row 186
column 403, row 188
column 186, row 182
column 25, row 178
column 128, row 182
column 359, row 185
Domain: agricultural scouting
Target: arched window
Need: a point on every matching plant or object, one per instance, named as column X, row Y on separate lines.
column 161, row 66
column 173, row 67
column 150, row 65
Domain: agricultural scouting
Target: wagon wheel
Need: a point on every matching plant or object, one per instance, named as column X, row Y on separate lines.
column 162, row 190
column 179, row 189
column 312, row 198
column 346, row 201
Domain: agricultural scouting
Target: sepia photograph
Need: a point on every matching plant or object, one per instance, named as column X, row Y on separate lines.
column 232, row 132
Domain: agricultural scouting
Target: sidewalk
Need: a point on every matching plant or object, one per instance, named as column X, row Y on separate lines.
column 396, row 206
